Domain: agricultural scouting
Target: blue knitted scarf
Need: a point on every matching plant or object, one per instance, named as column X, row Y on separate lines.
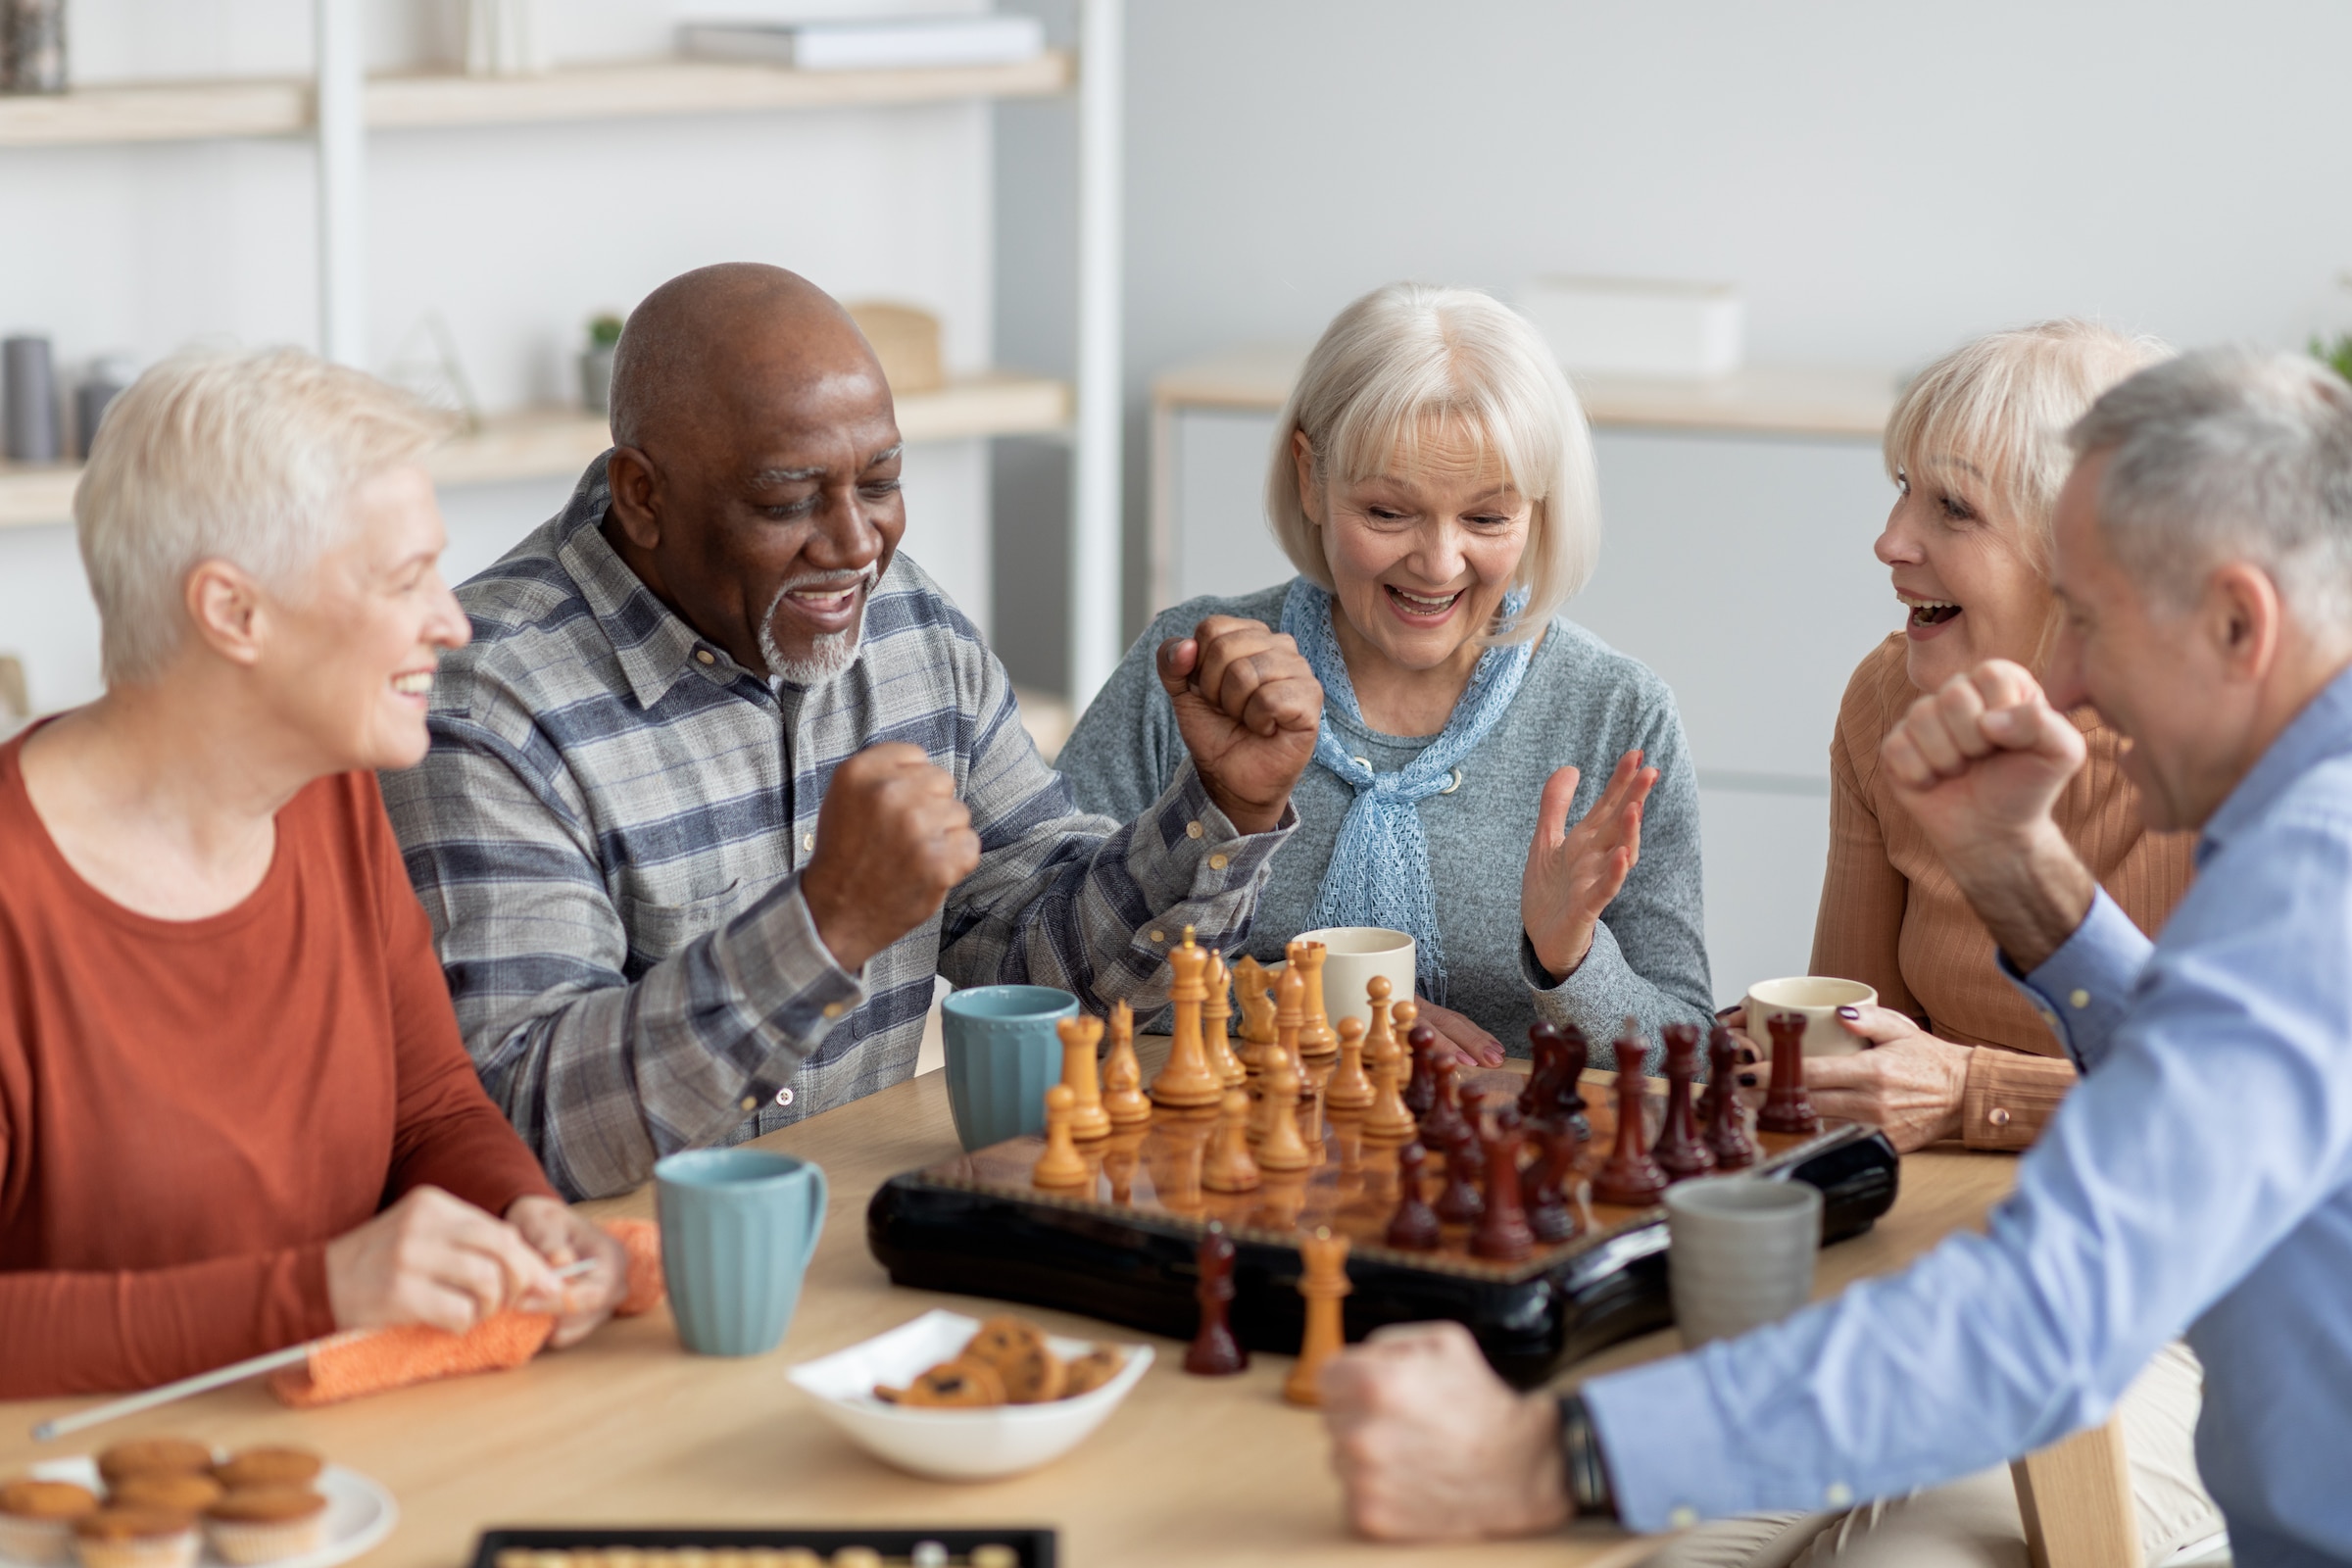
column 1379, row 871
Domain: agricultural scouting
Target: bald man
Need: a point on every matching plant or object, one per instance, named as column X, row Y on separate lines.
column 723, row 779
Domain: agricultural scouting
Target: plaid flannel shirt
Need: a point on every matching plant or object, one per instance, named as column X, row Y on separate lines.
column 610, row 830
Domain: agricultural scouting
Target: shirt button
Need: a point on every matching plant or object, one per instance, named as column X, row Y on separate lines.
column 1998, row 1115
column 808, row 843
column 2080, row 999
column 834, row 1010
column 1192, row 830
column 1217, row 862
column 1837, row 1494
column 1683, row 1517
column 1159, row 936
column 783, row 1097
column 703, row 656
column 750, row 1102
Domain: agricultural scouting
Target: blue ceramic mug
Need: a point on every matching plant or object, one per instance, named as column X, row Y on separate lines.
column 1003, row 1055
column 738, row 1226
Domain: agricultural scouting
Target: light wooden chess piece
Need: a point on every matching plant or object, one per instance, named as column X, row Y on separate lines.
column 1388, row 1119
column 1289, row 1016
column 1349, row 1089
column 1282, row 1148
column 1316, row 1042
column 1228, row 1167
column 1123, row 1097
column 1252, row 989
column 1061, row 1165
column 1378, row 1041
column 1324, row 1284
column 1185, row 1081
column 1215, row 1009
column 1079, row 1037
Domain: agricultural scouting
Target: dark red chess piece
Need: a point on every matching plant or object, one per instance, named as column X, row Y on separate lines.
column 1788, row 1108
column 1550, row 1208
column 1413, row 1228
column 1421, row 1090
column 1465, row 1163
column 1443, row 1125
column 1725, row 1119
column 1215, row 1351
column 1545, row 1049
column 1630, row 1177
column 1681, row 1153
column 1568, row 1095
column 1503, row 1232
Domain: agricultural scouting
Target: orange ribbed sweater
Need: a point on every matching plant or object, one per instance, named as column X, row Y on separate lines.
column 1893, row 919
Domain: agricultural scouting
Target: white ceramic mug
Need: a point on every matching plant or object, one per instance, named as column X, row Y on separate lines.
column 1351, row 955
column 1817, row 998
column 1740, row 1253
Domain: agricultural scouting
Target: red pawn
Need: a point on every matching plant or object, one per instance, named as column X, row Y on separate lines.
column 1443, row 1125
column 1630, row 1177
column 1413, row 1228
column 1550, row 1205
column 1788, row 1108
column 1681, row 1153
column 1502, row 1230
column 1460, row 1204
column 1421, row 1090
column 1726, row 1118
column 1215, row 1351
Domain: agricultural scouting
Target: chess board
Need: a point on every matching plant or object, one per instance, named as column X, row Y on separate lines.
column 1121, row 1246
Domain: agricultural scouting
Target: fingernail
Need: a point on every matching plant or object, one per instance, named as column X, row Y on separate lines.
column 1849, row 1012
column 1747, row 1080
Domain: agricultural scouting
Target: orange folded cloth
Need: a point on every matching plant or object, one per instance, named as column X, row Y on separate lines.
column 375, row 1361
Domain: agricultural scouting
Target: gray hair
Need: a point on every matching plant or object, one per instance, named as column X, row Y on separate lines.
column 244, row 456
column 1410, row 353
column 2229, row 454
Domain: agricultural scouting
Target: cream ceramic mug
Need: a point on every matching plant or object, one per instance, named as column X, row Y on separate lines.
column 1817, row 998
column 1351, row 955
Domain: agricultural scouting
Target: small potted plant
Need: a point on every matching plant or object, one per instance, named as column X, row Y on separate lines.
column 596, row 362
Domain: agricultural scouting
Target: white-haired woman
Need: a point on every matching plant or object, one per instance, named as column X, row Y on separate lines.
column 234, row 1108
column 1431, row 480
column 1978, row 450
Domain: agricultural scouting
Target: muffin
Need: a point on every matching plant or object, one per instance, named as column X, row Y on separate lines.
column 269, row 1467
column 136, row 1537
column 148, row 1455
column 36, row 1518
column 262, row 1524
column 176, row 1491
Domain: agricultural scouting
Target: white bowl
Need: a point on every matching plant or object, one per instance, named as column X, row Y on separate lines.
column 954, row 1444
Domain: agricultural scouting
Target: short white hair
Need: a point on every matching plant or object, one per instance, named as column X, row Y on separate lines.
column 2002, row 406
column 1407, row 355
column 2228, row 454
column 246, row 456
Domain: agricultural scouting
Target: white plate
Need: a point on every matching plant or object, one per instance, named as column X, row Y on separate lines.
column 980, row 1445
column 360, row 1512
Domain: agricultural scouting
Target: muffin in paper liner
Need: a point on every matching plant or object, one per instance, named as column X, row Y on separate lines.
column 41, row 1541
column 136, row 1537
column 266, row 1524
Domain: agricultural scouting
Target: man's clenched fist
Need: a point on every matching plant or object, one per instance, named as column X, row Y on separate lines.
column 892, row 838
column 1247, row 706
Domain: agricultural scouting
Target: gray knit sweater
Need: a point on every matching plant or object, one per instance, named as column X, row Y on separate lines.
column 1581, row 702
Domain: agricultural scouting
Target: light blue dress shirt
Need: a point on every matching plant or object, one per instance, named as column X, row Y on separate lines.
column 2198, row 1179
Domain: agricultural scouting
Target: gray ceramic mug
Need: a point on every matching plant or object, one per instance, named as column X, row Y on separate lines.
column 1004, row 1053
column 738, row 1226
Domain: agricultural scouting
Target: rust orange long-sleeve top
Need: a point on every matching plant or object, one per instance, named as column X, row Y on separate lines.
column 1892, row 918
column 190, row 1111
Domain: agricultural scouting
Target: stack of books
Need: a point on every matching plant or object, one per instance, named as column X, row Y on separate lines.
column 879, row 44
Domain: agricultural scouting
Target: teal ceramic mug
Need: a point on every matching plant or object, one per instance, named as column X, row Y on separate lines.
column 738, row 1226
column 1004, row 1053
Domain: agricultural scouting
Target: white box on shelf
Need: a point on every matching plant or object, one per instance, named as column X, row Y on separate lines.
column 882, row 44
column 1639, row 326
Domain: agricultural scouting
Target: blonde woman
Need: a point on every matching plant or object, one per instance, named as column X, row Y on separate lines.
column 1431, row 480
column 1978, row 451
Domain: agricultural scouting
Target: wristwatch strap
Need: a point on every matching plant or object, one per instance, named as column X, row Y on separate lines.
column 1579, row 1454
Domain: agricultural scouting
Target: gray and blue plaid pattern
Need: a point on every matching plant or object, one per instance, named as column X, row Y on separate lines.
column 609, row 834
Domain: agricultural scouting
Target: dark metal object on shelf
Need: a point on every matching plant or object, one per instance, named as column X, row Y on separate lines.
column 28, row 398
column 1031, row 1545
column 32, row 45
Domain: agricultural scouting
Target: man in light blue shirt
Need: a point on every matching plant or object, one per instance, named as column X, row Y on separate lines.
column 2200, row 1177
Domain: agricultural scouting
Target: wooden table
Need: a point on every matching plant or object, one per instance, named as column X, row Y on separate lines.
column 626, row 1429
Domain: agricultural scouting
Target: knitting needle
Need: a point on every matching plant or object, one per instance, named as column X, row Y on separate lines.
column 221, row 1377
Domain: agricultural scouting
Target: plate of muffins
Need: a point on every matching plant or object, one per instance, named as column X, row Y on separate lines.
column 167, row 1503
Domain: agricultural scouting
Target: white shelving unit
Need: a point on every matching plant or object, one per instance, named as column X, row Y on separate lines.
column 342, row 109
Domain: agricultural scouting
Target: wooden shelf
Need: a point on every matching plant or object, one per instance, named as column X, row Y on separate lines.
column 1763, row 400
column 199, row 111
column 545, row 443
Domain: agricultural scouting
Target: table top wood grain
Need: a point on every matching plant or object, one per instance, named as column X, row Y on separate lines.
column 626, row 1429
